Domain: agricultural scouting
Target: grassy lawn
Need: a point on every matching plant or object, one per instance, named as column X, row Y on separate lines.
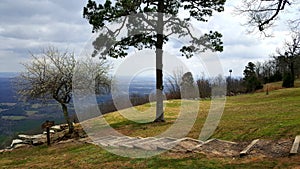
column 246, row 117
column 259, row 115
column 79, row 155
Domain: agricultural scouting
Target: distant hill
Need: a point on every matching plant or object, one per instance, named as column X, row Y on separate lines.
column 18, row 117
column 8, row 74
column 7, row 93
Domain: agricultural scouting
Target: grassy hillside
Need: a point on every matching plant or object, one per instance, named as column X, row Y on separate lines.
column 258, row 115
column 246, row 117
column 79, row 155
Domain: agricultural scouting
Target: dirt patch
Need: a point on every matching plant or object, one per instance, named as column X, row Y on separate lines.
column 186, row 145
column 221, row 148
column 270, row 148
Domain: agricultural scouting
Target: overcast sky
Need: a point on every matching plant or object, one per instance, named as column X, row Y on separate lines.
column 29, row 25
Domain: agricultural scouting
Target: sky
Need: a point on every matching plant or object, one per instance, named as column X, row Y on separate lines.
column 28, row 26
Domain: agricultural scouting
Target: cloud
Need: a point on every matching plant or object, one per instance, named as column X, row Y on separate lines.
column 31, row 25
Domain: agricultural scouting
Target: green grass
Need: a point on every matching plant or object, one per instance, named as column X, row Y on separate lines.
column 79, row 155
column 278, row 85
column 246, row 117
column 258, row 115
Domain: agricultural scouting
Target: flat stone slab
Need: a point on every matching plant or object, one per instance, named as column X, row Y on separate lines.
column 56, row 128
column 295, row 147
column 16, row 141
column 124, row 141
column 155, row 144
column 168, row 146
column 31, row 137
column 247, row 149
column 105, row 138
column 112, row 142
column 131, row 144
column 184, row 143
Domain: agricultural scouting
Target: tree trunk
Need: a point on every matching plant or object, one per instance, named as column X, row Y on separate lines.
column 67, row 118
column 159, row 65
column 292, row 73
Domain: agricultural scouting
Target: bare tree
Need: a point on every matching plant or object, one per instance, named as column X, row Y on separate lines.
column 290, row 56
column 204, row 87
column 173, row 84
column 48, row 76
column 262, row 14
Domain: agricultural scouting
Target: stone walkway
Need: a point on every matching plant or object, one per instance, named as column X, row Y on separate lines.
column 213, row 147
column 149, row 143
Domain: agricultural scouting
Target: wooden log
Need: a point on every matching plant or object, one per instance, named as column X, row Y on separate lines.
column 247, row 149
column 295, row 147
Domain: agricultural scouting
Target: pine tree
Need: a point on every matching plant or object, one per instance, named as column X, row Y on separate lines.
column 154, row 16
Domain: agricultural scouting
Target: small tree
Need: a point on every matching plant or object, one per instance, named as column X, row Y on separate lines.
column 288, row 80
column 188, row 87
column 251, row 80
column 48, row 76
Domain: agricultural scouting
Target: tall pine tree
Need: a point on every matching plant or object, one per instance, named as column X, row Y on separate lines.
column 153, row 17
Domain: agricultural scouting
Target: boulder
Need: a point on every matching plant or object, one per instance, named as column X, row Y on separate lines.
column 15, row 142
column 31, row 137
column 5, row 150
column 51, row 132
column 38, row 142
column 56, row 128
column 20, row 145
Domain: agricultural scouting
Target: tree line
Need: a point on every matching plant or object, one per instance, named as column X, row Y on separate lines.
column 283, row 66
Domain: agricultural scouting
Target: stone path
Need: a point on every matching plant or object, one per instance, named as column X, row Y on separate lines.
column 214, row 147
column 149, row 143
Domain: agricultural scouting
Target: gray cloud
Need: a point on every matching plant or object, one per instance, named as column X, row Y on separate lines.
column 30, row 25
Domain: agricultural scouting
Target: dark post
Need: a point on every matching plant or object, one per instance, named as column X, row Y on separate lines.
column 229, row 82
column 48, row 135
column 47, row 126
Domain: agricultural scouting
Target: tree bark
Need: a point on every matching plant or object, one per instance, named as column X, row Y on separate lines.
column 292, row 73
column 159, row 64
column 67, row 118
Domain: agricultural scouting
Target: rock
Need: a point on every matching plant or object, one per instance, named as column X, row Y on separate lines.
column 51, row 131
column 56, row 128
column 20, row 145
column 37, row 139
column 31, row 137
column 16, row 141
column 38, row 142
column 2, row 151
column 5, row 150
column 64, row 126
